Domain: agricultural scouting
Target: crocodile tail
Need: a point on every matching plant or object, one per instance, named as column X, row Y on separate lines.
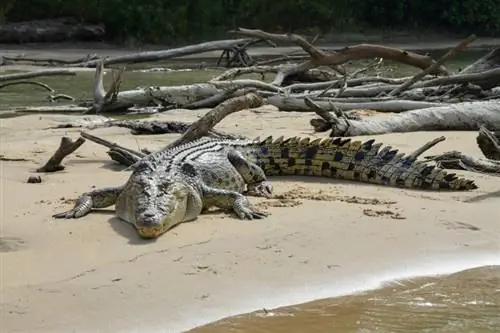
column 343, row 158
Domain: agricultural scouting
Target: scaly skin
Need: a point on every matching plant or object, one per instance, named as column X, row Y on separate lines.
column 176, row 185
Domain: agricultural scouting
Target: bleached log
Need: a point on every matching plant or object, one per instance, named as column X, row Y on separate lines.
column 149, row 56
column 296, row 104
column 467, row 116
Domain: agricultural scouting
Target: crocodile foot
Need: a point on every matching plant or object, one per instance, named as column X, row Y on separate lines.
column 245, row 211
column 82, row 207
column 261, row 189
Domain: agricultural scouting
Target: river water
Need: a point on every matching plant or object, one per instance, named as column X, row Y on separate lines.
column 463, row 302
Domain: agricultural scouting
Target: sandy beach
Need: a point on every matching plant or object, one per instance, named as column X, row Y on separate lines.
column 327, row 237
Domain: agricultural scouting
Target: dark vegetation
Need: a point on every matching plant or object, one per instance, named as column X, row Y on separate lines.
column 169, row 21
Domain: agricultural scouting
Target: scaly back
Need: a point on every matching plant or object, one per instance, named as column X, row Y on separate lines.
column 352, row 160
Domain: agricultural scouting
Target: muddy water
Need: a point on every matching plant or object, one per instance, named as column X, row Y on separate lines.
column 464, row 302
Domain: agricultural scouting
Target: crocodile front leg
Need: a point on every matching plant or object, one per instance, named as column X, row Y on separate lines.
column 253, row 175
column 99, row 198
column 231, row 200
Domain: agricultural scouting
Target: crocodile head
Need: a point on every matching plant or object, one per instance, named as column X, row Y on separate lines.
column 153, row 203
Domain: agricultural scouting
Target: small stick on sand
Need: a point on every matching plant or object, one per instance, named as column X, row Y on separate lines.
column 426, row 147
column 66, row 147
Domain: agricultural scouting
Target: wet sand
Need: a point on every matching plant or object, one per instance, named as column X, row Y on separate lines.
column 463, row 302
column 323, row 239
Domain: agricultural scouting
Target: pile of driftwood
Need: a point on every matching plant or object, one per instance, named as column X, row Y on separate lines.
column 319, row 81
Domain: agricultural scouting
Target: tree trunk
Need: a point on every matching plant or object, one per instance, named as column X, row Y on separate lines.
column 296, row 104
column 455, row 117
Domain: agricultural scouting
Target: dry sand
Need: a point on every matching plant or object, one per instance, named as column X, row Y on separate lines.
column 95, row 275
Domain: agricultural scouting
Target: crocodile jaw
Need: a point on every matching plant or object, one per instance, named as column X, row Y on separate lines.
column 154, row 207
column 148, row 227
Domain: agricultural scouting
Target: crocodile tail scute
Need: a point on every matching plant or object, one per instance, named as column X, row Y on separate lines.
column 343, row 158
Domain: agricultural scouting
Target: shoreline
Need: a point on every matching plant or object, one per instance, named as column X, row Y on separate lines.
column 70, row 51
column 436, row 269
column 97, row 275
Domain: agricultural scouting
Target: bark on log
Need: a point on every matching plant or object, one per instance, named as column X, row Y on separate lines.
column 30, row 75
column 46, row 61
column 206, row 123
column 56, row 109
column 54, row 30
column 149, row 56
column 455, row 117
column 296, row 104
column 113, row 99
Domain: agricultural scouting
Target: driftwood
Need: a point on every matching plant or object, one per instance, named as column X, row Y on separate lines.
column 113, row 99
column 54, row 30
column 422, row 101
column 296, row 104
column 202, row 126
column 142, row 127
column 459, row 161
column 322, row 58
column 150, row 56
column 462, row 46
column 22, row 59
column 489, row 144
column 66, row 147
column 454, row 117
column 30, row 75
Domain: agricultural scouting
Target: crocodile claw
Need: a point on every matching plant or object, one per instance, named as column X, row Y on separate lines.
column 245, row 211
column 82, row 207
column 262, row 189
column 249, row 213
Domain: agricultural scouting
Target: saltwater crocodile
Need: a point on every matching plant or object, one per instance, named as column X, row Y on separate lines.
column 175, row 185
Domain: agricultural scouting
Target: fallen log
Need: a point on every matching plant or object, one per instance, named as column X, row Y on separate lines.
column 462, row 46
column 467, row 116
column 205, row 124
column 487, row 63
column 177, row 96
column 459, row 161
column 311, row 75
column 56, row 109
column 298, row 104
column 374, row 90
column 150, row 56
column 30, row 75
column 338, row 57
column 46, row 61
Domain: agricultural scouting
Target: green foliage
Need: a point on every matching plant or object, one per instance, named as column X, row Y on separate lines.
column 165, row 21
